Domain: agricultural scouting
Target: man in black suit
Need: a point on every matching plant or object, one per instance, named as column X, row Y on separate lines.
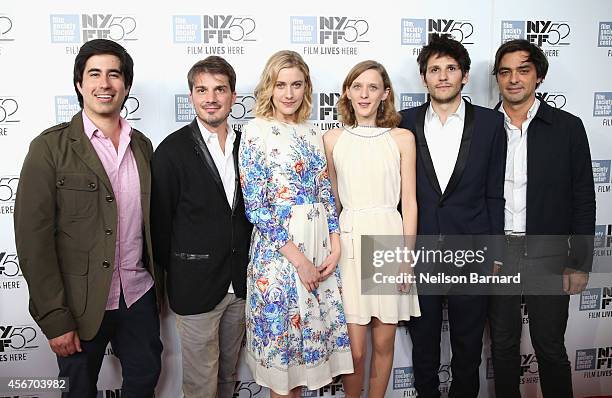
column 460, row 169
column 549, row 222
column 201, row 234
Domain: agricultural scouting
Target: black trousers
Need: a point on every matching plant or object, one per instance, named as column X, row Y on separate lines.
column 547, row 323
column 134, row 336
column 466, row 316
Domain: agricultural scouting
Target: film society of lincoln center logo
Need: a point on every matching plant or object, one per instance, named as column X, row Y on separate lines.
column 601, row 175
column 604, row 38
column 594, row 362
column 10, row 272
column 81, row 28
column 214, row 34
column 403, row 378
column 602, row 107
column 417, row 32
column 321, row 35
column 66, row 106
column 241, row 112
column 597, row 302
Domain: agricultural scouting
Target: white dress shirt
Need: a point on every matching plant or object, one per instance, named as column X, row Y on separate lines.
column 444, row 141
column 224, row 161
column 515, row 181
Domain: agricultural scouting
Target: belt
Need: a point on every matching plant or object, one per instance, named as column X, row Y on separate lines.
column 346, row 216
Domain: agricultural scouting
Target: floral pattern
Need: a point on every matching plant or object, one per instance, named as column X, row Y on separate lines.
column 287, row 193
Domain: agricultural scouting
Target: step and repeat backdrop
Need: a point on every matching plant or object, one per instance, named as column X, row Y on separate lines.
column 39, row 40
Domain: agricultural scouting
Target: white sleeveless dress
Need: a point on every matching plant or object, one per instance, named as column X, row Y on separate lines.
column 367, row 163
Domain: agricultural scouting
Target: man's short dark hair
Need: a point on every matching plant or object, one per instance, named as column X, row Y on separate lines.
column 101, row 47
column 535, row 56
column 214, row 65
column 440, row 46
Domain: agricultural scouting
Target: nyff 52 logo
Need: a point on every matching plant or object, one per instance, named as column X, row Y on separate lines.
column 417, row 32
column 328, row 30
column 6, row 27
column 8, row 110
column 75, row 28
column 539, row 32
column 593, row 299
column 210, row 29
column 557, row 100
column 8, row 189
column 9, row 265
column 593, row 358
column 17, row 337
column 325, row 106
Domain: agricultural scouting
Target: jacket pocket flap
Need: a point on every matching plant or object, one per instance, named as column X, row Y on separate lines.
column 77, row 182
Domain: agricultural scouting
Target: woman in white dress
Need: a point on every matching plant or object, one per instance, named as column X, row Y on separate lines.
column 372, row 166
column 295, row 326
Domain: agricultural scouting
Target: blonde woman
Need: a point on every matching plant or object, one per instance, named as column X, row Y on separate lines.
column 371, row 166
column 296, row 329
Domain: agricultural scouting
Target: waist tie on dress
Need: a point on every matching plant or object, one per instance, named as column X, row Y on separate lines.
column 348, row 213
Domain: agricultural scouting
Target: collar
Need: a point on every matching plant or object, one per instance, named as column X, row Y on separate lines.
column 207, row 135
column 91, row 129
column 459, row 113
column 531, row 113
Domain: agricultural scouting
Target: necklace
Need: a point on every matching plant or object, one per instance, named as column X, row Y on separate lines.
column 365, row 135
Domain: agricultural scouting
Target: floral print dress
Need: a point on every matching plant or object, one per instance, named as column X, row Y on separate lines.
column 294, row 337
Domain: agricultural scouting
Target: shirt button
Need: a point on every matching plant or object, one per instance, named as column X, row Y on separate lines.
column 109, row 198
column 234, row 251
column 108, row 231
column 105, row 264
column 60, row 181
column 92, row 185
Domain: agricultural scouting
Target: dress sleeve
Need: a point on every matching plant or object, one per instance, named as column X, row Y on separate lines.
column 271, row 219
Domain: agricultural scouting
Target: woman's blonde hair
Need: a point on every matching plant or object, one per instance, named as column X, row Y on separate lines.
column 386, row 115
column 263, row 92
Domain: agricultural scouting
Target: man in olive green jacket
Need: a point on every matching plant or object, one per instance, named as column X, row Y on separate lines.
column 82, row 232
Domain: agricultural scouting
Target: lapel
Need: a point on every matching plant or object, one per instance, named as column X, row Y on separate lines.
column 139, row 149
column 236, row 170
column 430, row 171
column 83, row 148
column 464, row 150
column 204, row 154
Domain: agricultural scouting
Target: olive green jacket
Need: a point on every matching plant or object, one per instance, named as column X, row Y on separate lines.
column 65, row 224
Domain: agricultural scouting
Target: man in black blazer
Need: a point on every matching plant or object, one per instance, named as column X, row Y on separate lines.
column 549, row 222
column 460, row 169
column 201, row 234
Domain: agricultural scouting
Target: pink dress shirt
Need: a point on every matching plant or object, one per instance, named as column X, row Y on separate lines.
column 129, row 273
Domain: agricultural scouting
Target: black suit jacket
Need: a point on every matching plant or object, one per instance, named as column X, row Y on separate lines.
column 560, row 187
column 473, row 201
column 198, row 238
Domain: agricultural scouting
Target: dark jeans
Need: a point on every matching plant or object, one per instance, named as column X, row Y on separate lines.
column 466, row 317
column 547, row 323
column 134, row 336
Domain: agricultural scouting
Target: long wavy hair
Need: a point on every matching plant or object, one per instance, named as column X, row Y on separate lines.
column 264, row 107
column 386, row 115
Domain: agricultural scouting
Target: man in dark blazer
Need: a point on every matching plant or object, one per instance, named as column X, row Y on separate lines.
column 82, row 232
column 460, row 166
column 201, row 234
column 549, row 222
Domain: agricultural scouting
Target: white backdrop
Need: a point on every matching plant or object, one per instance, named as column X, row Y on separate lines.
column 39, row 40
